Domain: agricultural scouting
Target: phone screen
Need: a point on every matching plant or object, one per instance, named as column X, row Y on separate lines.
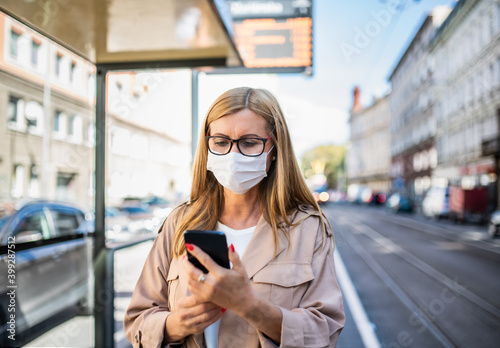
column 212, row 242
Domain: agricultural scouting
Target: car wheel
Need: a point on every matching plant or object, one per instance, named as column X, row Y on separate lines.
column 492, row 230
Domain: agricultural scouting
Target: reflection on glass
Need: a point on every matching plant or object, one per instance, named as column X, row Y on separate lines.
column 46, row 178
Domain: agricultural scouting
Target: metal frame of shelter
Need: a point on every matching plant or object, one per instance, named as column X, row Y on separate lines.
column 95, row 18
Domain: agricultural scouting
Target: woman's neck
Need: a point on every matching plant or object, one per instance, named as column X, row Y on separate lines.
column 241, row 211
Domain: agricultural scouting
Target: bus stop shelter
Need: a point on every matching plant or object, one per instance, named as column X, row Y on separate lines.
column 128, row 35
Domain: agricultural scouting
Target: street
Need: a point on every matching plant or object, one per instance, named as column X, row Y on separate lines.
column 422, row 283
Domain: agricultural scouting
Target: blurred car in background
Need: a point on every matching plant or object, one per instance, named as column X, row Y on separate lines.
column 373, row 197
column 336, row 196
column 318, row 185
column 436, row 203
column 398, row 202
column 147, row 214
column 378, row 198
column 361, row 194
column 494, row 224
column 159, row 206
column 141, row 216
column 53, row 259
column 121, row 228
column 321, row 197
column 469, row 205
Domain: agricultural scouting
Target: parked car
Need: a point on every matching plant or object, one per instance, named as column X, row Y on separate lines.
column 143, row 217
column 374, row 198
column 398, row 202
column 494, row 224
column 436, row 203
column 158, row 206
column 358, row 193
column 129, row 223
column 52, row 250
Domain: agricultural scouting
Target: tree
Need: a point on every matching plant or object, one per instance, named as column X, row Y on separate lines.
column 327, row 160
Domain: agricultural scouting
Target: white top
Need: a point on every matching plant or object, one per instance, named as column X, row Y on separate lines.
column 240, row 240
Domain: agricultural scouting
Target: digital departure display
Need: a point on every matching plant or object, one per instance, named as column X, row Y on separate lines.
column 274, row 34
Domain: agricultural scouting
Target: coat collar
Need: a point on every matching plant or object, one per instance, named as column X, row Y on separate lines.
column 260, row 249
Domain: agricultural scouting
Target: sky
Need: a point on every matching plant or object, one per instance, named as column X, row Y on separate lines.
column 317, row 107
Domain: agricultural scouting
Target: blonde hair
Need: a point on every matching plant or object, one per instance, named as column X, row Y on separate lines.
column 281, row 191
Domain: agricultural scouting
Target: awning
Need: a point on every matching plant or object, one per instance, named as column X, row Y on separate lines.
column 134, row 33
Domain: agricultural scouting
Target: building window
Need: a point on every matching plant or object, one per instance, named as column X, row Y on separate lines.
column 34, row 117
column 12, row 109
column 35, row 49
column 15, row 113
column 17, row 181
column 91, row 135
column 417, row 162
column 60, row 127
column 71, row 126
column 14, row 43
column 65, row 186
column 479, row 87
column 34, row 187
column 57, row 121
column 75, row 128
column 72, row 71
column 58, row 64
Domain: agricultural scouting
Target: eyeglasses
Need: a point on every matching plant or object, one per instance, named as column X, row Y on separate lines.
column 251, row 147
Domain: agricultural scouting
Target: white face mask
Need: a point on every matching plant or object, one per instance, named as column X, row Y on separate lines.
column 236, row 172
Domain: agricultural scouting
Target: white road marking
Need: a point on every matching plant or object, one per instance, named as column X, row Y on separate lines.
column 351, row 297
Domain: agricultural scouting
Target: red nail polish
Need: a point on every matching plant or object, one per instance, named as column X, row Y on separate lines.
column 184, row 256
column 223, row 310
column 189, row 246
column 232, row 248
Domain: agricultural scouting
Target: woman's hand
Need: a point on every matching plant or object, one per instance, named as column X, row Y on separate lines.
column 228, row 288
column 191, row 317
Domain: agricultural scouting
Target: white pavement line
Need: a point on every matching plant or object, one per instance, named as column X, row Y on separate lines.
column 350, row 294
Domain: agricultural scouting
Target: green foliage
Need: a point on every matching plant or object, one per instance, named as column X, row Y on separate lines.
column 325, row 159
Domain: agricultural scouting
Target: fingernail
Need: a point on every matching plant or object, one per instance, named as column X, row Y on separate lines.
column 223, row 310
column 189, row 247
column 232, row 247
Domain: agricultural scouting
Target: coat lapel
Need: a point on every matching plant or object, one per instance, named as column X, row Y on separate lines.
column 260, row 249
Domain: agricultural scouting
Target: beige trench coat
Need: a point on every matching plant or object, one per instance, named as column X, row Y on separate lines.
column 301, row 280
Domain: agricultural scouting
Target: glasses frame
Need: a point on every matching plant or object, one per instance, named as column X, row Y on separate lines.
column 237, row 141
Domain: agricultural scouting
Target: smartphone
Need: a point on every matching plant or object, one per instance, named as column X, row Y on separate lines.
column 212, row 242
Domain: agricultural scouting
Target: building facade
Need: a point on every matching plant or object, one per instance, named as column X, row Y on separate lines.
column 368, row 155
column 413, row 125
column 46, row 118
column 467, row 90
column 47, row 126
column 149, row 135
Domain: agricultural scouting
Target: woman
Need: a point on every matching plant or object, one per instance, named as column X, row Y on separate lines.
column 282, row 289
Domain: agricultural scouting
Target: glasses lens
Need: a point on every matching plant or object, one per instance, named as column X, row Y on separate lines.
column 251, row 146
column 219, row 145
